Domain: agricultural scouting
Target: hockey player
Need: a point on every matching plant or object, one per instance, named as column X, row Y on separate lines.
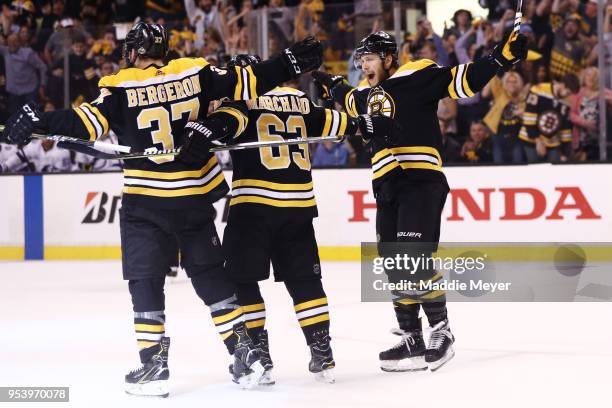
column 547, row 130
column 271, row 214
column 408, row 182
column 168, row 200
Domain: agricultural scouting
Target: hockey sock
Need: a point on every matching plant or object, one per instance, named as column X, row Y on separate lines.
column 218, row 293
column 435, row 310
column 310, row 304
column 149, row 317
column 407, row 314
column 434, row 301
column 253, row 306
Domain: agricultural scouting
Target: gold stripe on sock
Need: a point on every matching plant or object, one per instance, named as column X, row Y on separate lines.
column 310, row 303
column 228, row 316
column 314, row 320
column 255, row 323
column 156, row 328
column 143, row 344
column 254, row 308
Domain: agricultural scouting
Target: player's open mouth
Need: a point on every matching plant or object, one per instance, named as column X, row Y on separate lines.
column 371, row 77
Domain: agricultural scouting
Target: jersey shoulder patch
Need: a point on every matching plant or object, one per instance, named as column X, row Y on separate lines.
column 411, row 67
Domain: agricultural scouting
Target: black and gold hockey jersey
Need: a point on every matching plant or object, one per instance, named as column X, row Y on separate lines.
column 148, row 108
column 546, row 118
column 411, row 96
column 271, row 180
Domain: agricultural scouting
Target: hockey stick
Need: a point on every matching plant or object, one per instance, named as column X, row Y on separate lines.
column 102, row 150
column 102, row 146
column 254, row 145
column 518, row 17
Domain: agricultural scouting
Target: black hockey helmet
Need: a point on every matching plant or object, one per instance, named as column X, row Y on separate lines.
column 243, row 60
column 379, row 43
column 149, row 40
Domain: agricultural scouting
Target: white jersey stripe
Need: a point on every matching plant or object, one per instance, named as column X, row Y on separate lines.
column 272, row 194
column 417, row 157
column 173, row 184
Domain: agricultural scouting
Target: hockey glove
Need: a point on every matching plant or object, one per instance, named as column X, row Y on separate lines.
column 325, row 83
column 199, row 138
column 303, row 56
column 21, row 124
column 511, row 51
column 380, row 127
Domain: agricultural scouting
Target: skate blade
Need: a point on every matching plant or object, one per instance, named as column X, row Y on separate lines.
column 267, row 379
column 433, row 366
column 251, row 380
column 325, row 376
column 150, row 389
column 407, row 364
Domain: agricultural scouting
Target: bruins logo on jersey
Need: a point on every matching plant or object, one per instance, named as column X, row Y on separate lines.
column 549, row 122
column 380, row 102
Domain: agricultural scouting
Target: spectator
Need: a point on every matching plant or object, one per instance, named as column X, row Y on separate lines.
column 105, row 47
column 568, row 53
column 239, row 42
column 283, row 17
column 504, row 117
column 546, row 132
column 331, row 154
column 61, row 40
column 451, row 149
column 449, row 41
column 474, row 108
column 106, row 68
column 447, row 115
column 424, row 34
column 477, row 148
column 307, row 18
column 164, row 9
column 428, row 51
column 51, row 13
column 462, row 22
column 26, row 73
column 204, row 16
column 8, row 18
column 82, row 76
column 497, row 7
column 367, row 17
column 584, row 115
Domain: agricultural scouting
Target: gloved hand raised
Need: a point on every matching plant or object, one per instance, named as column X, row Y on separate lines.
column 512, row 50
column 303, row 56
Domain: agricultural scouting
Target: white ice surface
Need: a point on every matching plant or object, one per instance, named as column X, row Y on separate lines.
column 70, row 324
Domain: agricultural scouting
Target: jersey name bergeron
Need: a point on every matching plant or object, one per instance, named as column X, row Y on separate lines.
column 166, row 92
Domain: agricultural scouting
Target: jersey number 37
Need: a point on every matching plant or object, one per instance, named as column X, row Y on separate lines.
column 164, row 120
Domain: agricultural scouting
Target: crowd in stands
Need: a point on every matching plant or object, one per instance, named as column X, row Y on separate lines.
column 48, row 47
